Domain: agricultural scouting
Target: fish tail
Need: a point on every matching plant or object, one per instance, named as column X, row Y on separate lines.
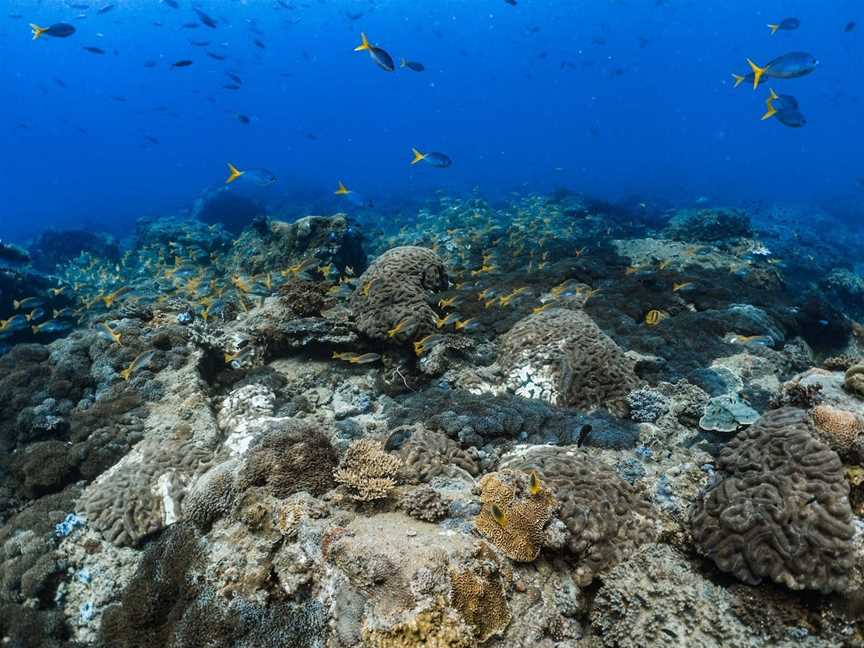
column 35, row 329
column 773, row 28
column 342, row 190
column 364, row 44
column 402, row 63
column 773, row 95
column 757, row 73
column 37, row 30
column 16, row 304
column 739, row 78
column 770, row 112
column 418, row 156
column 235, row 173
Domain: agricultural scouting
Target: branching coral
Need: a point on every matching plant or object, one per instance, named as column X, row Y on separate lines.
column 606, row 517
column 395, row 292
column 516, row 511
column 368, row 471
column 782, row 512
column 561, row 356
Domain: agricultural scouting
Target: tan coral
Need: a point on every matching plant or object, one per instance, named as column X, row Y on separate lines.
column 437, row 627
column 520, row 534
column 427, row 454
column 840, row 428
column 478, row 594
column 368, row 471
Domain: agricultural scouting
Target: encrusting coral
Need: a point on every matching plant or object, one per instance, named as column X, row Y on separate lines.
column 782, row 512
column 477, row 592
column 367, row 471
column 561, row 356
column 394, row 294
column 840, row 429
column 437, row 627
column 606, row 517
column 517, row 508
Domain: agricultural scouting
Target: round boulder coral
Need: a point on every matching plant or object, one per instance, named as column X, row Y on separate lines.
column 395, row 293
column 561, row 356
column 840, row 429
column 782, row 512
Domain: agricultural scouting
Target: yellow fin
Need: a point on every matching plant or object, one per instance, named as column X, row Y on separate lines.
column 534, row 485
column 364, row 45
column 498, row 515
column 342, row 190
column 739, row 78
column 418, row 156
column 37, row 30
column 773, row 94
column 770, row 112
column 235, row 173
column 773, row 28
column 757, row 73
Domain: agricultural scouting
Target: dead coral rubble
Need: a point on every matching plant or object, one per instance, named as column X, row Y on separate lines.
column 782, row 512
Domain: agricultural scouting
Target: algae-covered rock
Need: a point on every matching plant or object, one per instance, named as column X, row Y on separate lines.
column 726, row 414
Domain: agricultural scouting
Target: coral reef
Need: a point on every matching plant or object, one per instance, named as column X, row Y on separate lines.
column 424, row 503
column 477, row 593
column 395, row 292
column 727, row 413
column 606, row 517
column 562, row 357
column 427, row 454
column 782, row 510
column 842, row 430
column 515, row 517
column 367, row 471
column 709, row 225
column 854, row 380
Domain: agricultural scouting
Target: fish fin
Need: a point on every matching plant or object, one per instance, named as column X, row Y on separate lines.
column 125, row 374
column 757, row 73
column 739, row 78
column 418, row 156
column 35, row 329
column 402, row 63
column 773, row 28
column 773, row 94
column 342, row 190
column 235, row 173
column 364, row 45
column 498, row 515
column 37, row 31
column 770, row 112
column 16, row 304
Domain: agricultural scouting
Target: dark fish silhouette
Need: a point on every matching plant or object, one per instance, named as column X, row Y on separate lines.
column 259, row 43
column 94, row 50
column 205, row 19
column 172, row 3
column 511, row 2
column 850, row 26
column 432, row 159
column 787, row 24
column 235, row 78
column 105, row 9
column 231, row 86
column 182, row 63
column 243, row 119
column 214, row 55
column 412, row 65
column 57, row 30
column 381, row 58
column 583, row 435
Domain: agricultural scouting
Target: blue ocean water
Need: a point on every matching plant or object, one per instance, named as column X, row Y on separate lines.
column 633, row 97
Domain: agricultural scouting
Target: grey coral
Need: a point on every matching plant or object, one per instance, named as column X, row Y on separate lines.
column 782, row 512
column 561, row 356
column 427, row 454
column 606, row 517
column 398, row 288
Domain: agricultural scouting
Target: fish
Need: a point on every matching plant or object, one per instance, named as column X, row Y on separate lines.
column 452, row 318
column 788, row 66
column 366, row 358
column 107, row 333
column 654, row 317
column 243, row 119
column 342, row 190
column 141, row 361
column 234, row 77
column 850, row 26
column 343, row 355
column 584, row 431
column 27, row 303
column 393, row 332
column 681, row 286
column 412, row 65
column 433, row 159
column 105, row 9
column 467, row 325
column 172, row 3
column 182, row 63
column 218, row 57
column 205, row 19
column 14, row 323
column 57, row 30
column 778, row 103
column 382, row 58
column 35, row 315
column 94, row 50
column 259, row 43
column 64, row 313
column 534, row 485
column 498, row 515
column 260, row 177
column 787, row 24
column 734, row 338
column 51, row 327
column 512, row 3
column 428, row 343
column 231, row 86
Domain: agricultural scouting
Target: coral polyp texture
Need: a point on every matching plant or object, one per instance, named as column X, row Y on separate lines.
column 561, row 356
column 841, row 429
column 367, row 471
column 514, row 518
column 781, row 513
column 394, row 296
column 605, row 516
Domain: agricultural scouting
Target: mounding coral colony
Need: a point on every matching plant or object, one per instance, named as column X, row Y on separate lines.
column 549, row 424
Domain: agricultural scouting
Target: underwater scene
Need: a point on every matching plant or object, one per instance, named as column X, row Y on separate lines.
column 443, row 324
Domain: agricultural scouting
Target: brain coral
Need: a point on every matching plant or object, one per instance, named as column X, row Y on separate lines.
column 427, row 454
column 840, row 429
column 143, row 493
column 782, row 512
column 561, row 356
column 606, row 517
column 478, row 595
column 854, row 381
column 398, row 287
column 521, row 532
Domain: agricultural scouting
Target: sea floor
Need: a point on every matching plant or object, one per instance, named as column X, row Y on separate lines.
column 555, row 422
